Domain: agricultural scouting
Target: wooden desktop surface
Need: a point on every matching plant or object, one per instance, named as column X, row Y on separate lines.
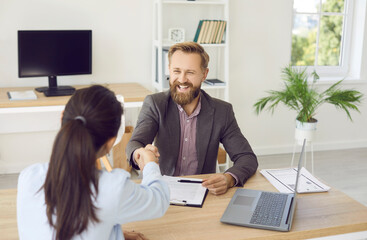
column 132, row 92
column 317, row 214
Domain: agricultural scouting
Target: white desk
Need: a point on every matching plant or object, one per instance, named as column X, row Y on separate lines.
column 25, row 115
column 26, row 125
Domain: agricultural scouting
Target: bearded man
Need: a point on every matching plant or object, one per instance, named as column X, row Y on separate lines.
column 187, row 126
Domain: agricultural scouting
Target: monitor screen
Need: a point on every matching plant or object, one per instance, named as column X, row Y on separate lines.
column 54, row 53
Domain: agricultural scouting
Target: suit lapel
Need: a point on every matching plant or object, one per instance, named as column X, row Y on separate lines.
column 174, row 132
column 204, row 127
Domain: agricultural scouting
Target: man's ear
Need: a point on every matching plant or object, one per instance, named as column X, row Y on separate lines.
column 206, row 71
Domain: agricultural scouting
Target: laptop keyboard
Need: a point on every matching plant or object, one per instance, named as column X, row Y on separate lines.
column 269, row 209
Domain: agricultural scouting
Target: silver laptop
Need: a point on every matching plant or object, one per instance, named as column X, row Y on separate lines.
column 260, row 209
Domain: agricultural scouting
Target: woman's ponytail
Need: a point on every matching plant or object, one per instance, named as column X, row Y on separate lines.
column 91, row 118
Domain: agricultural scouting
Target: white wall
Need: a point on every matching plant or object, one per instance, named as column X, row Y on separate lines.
column 260, row 34
column 121, row 37
column 260, row 47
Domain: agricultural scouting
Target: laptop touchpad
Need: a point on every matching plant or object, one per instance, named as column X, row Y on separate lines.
column 244, row 200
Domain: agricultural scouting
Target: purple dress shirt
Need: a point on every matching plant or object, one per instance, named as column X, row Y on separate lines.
column 187, row 162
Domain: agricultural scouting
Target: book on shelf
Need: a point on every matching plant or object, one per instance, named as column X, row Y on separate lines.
column 217, row 39
column 201, row 33
column 222, row 31
column 198, row 31
column 210, row 31
column 205, row 31
column 214, row 82
column 214, row 38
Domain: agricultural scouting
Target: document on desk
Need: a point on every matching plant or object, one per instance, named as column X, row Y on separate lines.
column 284, row 180
column 22, row 95
column 186, row 191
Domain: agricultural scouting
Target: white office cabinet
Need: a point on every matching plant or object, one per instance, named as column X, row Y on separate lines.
column 186, row 15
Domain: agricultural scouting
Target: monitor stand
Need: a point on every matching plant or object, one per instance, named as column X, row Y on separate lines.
column 54, row 90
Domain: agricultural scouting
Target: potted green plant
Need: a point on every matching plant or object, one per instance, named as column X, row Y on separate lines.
column 301, row 96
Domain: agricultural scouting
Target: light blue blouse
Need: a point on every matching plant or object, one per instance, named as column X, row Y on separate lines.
column 119, row 201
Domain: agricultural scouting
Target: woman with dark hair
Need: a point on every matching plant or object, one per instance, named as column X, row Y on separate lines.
column 68, row 198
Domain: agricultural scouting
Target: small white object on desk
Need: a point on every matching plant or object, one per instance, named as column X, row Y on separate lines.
column 22, row 95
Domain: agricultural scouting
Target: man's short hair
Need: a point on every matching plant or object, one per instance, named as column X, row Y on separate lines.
column 190, row 47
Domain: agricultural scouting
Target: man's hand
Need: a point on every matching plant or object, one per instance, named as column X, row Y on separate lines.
column 143, row 157
column 150, row 152
column 131, row 235
column 153, row 149
column 219, row 183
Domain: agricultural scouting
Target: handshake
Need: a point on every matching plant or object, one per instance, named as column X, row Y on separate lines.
column 216, row 184
column 143, row 156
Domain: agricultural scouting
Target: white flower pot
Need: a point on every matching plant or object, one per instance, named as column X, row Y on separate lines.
column 305, row 130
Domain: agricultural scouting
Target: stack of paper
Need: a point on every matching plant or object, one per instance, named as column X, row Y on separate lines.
column 22, row 95
column 284, row 180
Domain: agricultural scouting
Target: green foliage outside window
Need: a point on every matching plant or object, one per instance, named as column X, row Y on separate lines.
column 330, row 36
column 303, row 50
column 330, row 40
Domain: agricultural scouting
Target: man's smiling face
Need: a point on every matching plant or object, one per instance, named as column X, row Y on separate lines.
column 186, row 76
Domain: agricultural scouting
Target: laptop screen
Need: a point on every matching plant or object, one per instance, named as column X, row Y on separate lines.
column 300, row 163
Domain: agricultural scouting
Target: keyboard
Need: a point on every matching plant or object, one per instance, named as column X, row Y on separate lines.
column 59, row 92
column 269, row 209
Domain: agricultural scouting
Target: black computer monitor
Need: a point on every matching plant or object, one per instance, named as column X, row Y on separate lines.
column 52, row 53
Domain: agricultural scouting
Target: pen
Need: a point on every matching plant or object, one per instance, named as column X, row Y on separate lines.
column 189, row 181
column 178, row 202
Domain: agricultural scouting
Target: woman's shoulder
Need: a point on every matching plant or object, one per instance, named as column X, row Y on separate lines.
column 113, row 187
column 38, row 169
column 33, row 176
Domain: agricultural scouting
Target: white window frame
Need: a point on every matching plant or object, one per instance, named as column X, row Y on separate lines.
column 351, row 45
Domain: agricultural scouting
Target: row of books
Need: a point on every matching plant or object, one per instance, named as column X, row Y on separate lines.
column 210, row 31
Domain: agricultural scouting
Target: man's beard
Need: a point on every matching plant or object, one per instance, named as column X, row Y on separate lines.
column 183, row 98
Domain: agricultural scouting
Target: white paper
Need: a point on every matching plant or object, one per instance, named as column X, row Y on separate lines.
column 22, row 95
column 284, row 180
column 185, row 193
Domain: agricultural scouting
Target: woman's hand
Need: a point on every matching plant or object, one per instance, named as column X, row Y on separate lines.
column 145, row 155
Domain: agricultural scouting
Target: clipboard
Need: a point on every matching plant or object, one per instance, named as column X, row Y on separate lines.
column 186, row 191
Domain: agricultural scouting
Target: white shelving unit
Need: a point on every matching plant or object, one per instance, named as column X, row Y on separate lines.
column 187, row 14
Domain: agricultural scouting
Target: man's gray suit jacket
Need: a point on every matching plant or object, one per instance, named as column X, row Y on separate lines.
column 159, row 121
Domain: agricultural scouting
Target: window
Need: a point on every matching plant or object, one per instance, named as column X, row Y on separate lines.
column 322, row 36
